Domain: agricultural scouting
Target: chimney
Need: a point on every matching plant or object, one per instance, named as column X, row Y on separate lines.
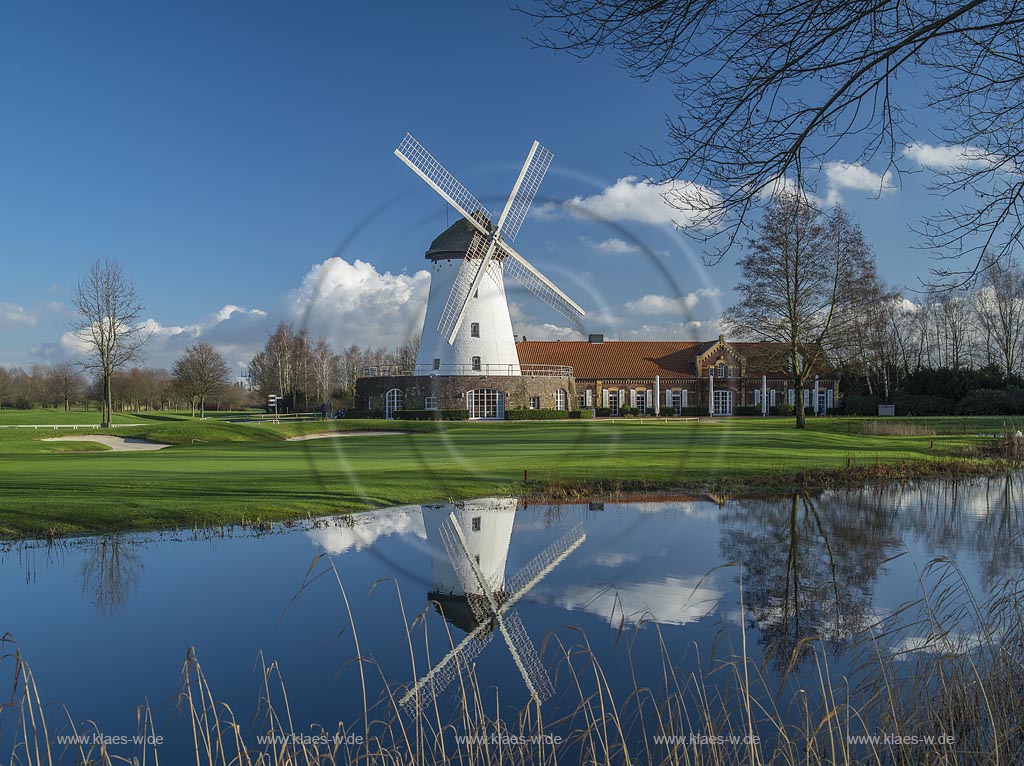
column 721, row 339
column 596, row 338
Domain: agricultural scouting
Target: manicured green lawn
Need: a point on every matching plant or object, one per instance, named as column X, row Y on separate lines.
column 50, row 416
column 220, row 473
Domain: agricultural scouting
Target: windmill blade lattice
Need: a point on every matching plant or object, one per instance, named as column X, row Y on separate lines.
column 422, row 162
column 457, row 662
column 523, row 581
column 526, row 187
column 520, row 270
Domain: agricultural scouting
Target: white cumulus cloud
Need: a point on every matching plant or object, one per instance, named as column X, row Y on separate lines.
column 632, row 199
column 947, row 157
column 850, row 175
column 354, row 303
column 12, row 315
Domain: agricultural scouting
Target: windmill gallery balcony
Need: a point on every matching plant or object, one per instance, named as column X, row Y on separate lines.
column 528, row 370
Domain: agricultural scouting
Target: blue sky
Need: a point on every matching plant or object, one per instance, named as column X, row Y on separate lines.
column 237, row 160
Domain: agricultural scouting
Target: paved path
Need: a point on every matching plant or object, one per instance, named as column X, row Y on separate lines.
column 116, row 443
column 334, row 434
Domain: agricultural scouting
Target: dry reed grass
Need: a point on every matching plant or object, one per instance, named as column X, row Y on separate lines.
column 960, row 676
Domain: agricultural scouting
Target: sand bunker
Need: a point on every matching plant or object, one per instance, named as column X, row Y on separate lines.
column 116, row 443
column 333, row 434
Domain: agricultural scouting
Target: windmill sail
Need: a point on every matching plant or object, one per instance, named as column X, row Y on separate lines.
column 529, row 277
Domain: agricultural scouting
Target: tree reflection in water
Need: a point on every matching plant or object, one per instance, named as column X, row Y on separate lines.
column 809, row 566
column 110, row 574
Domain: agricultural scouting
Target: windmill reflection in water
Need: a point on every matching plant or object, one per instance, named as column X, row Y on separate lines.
column 473, row 593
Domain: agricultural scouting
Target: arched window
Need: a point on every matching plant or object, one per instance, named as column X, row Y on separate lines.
column 485, row 404
column 394, row 400
column 476, row 363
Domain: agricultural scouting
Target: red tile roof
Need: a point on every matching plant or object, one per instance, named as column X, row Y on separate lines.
column 621, row 359
column 614, row 359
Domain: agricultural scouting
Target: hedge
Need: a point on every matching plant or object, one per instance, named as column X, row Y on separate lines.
column 692, row 412
column 536, row 414
column 923, row 404
column 581, row 414
column 371, row 414
column 745, row 410
column 431, row 414
column 856, row 404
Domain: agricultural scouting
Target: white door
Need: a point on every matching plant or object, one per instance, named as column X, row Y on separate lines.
column 723, row 402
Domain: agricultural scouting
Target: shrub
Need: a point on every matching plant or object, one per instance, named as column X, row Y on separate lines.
column 755, row 410
column 431, row 414
column 624, row 411
column 989, row 402
column 692, row 412
column 857, row 404
column 603, row 412
column 785, row 409
column 923, row 404
column 583, row 414
column 372, row 414
column 536, row 414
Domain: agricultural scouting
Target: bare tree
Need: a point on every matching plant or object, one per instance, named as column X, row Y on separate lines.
column 773, row 90
column 1001, row 313
column 108, row 323
column 198, row 372
column 326, row 369
column 805, row 279
column 6, row 387
column 67, row 383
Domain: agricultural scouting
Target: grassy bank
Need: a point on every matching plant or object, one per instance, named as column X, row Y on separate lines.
column 221, row 473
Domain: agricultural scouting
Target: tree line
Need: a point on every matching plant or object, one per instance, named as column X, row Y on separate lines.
column 307, row 372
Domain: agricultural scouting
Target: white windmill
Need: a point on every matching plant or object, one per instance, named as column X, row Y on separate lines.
column 467, row 329
column 491, row 596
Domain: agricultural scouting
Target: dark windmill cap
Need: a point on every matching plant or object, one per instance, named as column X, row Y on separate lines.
column 453, row 242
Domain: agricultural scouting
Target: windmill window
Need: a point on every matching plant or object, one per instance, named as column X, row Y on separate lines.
column 437, row 364
column 474, row 329
column 476, row 523
column 476, row 363
column 477, row 557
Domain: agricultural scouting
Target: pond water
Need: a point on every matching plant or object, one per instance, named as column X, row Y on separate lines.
column 105, row 623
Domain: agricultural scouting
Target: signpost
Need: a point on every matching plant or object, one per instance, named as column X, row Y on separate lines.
column 272, row 400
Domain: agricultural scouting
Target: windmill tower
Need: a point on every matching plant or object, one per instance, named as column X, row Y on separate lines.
column 467, row 329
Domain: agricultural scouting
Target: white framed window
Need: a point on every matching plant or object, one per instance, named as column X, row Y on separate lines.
column 829, row 400
column 534, row 402
column 394, row 400
column 791, row 396
column 561, row 400
column 437, row 363
column 485, row 404
column 582, row 397
column 771, row 398
column 430, row 403
column 729, row 372
column 476, row 363
column 641, row 402
column 720, row 371
column 614, row 398
column 757, row 396
column 590, row 398
column 474, row 330
column 807, row 397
